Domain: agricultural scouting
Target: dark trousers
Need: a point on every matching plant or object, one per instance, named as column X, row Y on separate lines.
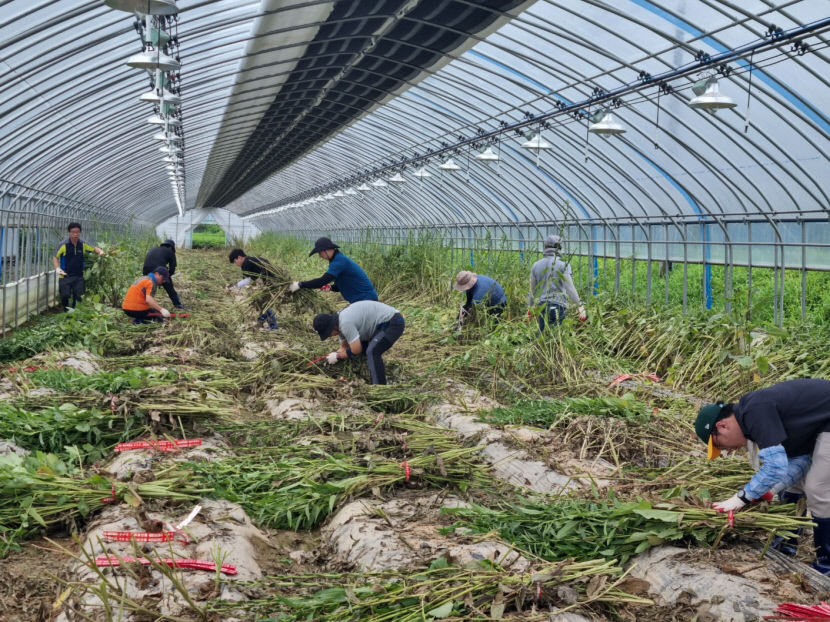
column 383, row 339
column 171, row 291
column 71, row 286
column 552, row 315
column 167, row 285
column 141, row 317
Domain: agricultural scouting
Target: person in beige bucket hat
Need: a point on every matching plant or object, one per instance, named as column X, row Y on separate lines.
column 481, row 290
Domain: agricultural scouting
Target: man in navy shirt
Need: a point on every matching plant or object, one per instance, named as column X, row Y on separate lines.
column 348, row 278
column 786, row 429
column 481, row 290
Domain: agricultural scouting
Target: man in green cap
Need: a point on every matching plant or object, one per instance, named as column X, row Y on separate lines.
column 786, row 430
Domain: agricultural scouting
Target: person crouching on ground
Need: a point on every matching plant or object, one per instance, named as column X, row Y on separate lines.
column 252, row 269
column 140, row 300
column 365, row 326
column 481, row 290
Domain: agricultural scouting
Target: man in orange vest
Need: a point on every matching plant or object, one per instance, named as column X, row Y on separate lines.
column 140, row 299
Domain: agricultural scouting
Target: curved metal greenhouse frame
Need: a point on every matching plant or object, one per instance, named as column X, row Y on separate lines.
column 288, row 107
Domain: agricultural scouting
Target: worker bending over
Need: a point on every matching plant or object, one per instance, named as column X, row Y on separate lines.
column 140, row 300
column 252, row 269
column 786, row 429
column 343, row 273
column 481, row 290
column 364, row 326
column 551, row 285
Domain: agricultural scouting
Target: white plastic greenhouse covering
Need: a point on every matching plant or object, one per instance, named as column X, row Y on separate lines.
column 304, row 117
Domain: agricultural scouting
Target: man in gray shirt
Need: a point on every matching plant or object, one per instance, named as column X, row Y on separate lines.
column 551, row 285
column 364, row 326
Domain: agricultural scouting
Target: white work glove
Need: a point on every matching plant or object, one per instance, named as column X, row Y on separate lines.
column 294, row 286
column 732, row 503
column 165, row 313
column 61, row 272
column 243, row 283
column 332, row 358
column 582, row 314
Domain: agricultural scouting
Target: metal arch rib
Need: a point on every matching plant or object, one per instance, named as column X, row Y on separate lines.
column 257, row 169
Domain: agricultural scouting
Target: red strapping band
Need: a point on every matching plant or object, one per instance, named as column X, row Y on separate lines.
column 406, row 470
column 161, row 445
column 139, row 536
column 806, row 613
column 105, row 561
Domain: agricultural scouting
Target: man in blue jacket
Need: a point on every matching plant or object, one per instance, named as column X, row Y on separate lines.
column 786, row 430
column 481, row 290
column 346, row 276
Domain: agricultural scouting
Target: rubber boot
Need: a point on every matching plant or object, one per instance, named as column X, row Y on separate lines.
column 261, row 318
column 272, row 319
column 788, row 545
column 821, row 537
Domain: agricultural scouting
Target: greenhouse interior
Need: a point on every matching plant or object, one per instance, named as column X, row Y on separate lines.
column 472, row 310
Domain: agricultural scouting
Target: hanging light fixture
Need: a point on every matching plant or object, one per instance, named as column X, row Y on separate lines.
column 449, row 165
column 708, row 97
column 363, row 188
column 379, row 183
column 350, row 191
column 537, row 143
column 397, row 178
column 148, row 7
column 606, row 125
column 153, row 60
column 166, row 96
column 488, row 155
column 339, row 194
column 422, row 172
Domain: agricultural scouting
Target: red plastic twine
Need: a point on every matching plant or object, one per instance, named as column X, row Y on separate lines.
column 406, row 470
column 624, row 377
column 105, row 561
column 162, row 445
column 111, row 498
column 730, row 519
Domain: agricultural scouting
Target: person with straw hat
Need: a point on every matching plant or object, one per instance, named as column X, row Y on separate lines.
column 551, row 285
column 481, row 290
column 786, row 430
column 343, row 275
column 364, row 326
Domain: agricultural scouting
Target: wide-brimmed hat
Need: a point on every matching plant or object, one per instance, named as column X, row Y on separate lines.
column 324, row 324
column 465, row 280
column 707, row 417
column 163, row 272
column 322, row 244
column 552, row 240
